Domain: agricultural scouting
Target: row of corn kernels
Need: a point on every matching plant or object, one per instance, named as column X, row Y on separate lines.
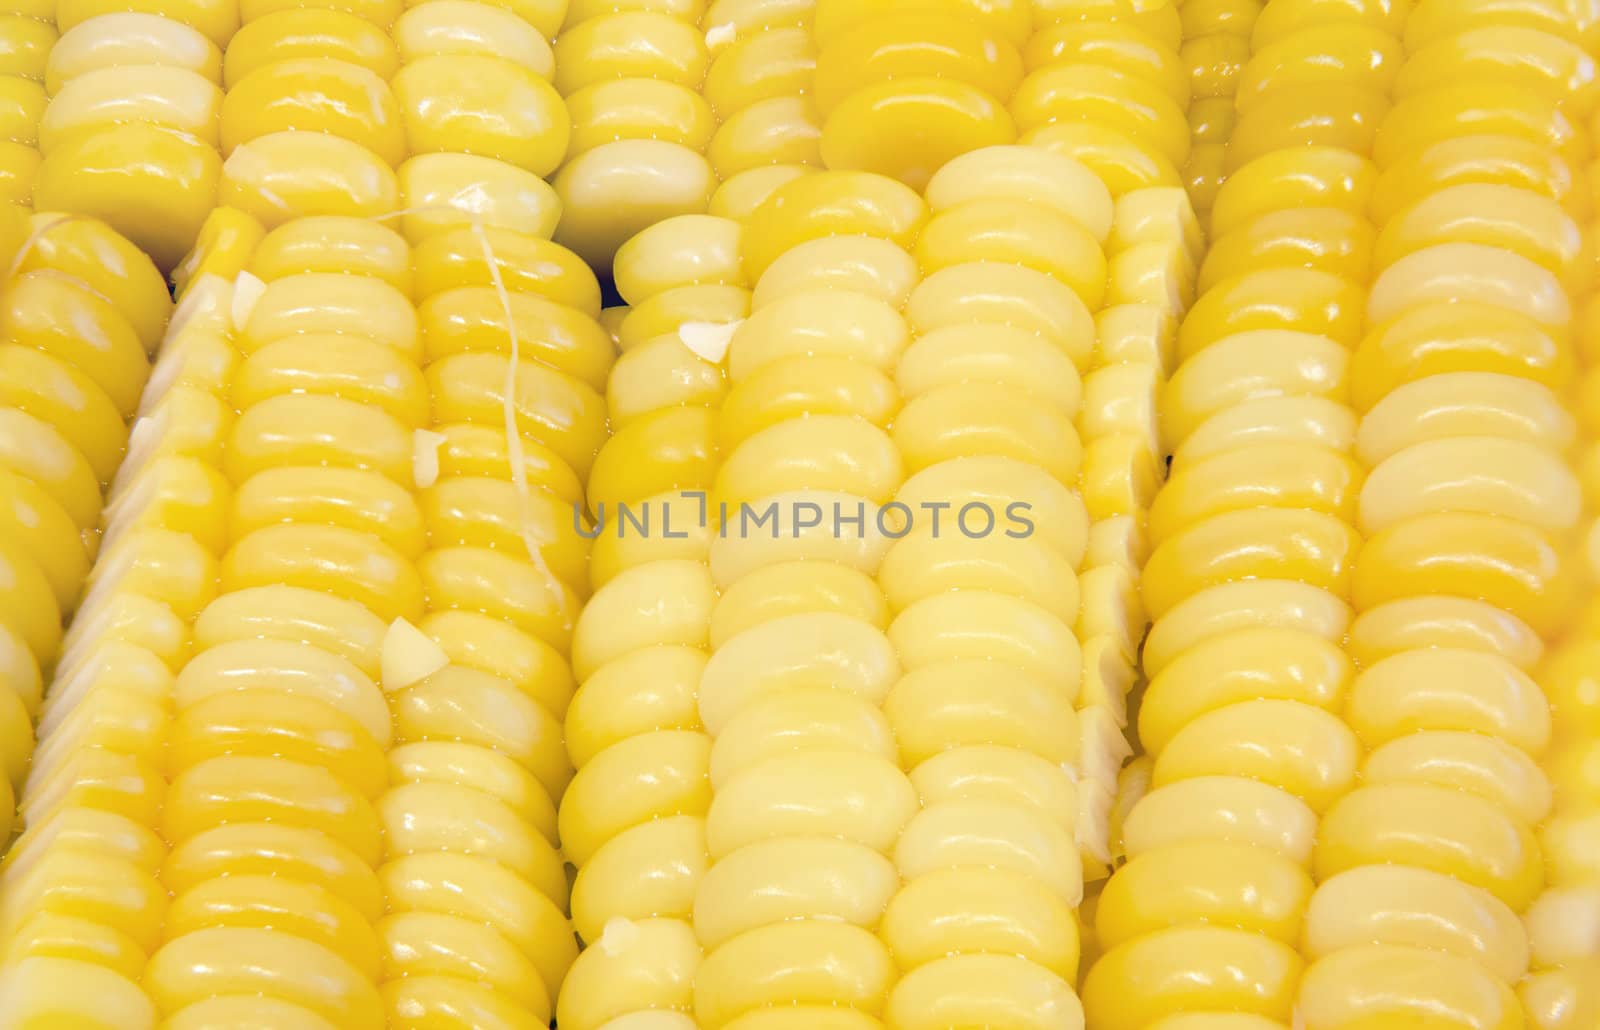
column 965, row 862
column 80, row 311
column 72, row 366
column 633, row 821
column 1248, row 583
column 1500, row 239
column 632, row 77
column 1476, row 276
column 26, row 37
column 136, row 83
column 1564, row 923
column 1216, row 45
column 760, row 85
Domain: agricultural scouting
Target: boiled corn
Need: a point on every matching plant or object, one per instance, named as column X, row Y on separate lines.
column 28, row 35
column 352, row 449
column 71, row 370
column 1248, row 576
column 131, row 131
column 1216, row 45
column 1461, row 577
column 760, row 85
column 632, row 76
column 283, row 808
column 633, row 731
column 82, row 311
column 323, row 657
column 1564, row 949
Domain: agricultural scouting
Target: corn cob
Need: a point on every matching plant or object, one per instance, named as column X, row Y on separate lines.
column 299, row 631
column 633, row 731
column 462, row 784
column 1216, row 45
column 631, row 72
column 760, row 88
column 1157, row 279
column 1463, row 578
column 479, row 766
column 1248, row 579
column 345, row 523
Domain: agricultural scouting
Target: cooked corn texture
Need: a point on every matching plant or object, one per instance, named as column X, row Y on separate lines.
column 633, row 821
column 1005, row 712
column 829, row 603
column 313, row 126
column 82, row 905
column 1248, row 579
column 662, row 301
column 1464, row 577
column 476, row 892
column 1102, row 88
column 1152, row 252
column 421, row 884
column 760, row 85
column 833, row 641
column 131, row 131
column 309, row 125
column 1561, row 990
column 82, row 311
column 632, row 73
column 72, row 365
column 278, row 725
column 504, row 577
column 903, row 87
column 431, row 119
column 704, row 739
column 1216, row 45
column 443, row 110
column 27, row 34
column 806, row 799
column 483, row 123
column 1106, row 86
column 275, row 508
